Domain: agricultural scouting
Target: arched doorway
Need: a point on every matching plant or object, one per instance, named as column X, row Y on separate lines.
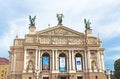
column 78, row 62
column 45, row 61
column 62, row 62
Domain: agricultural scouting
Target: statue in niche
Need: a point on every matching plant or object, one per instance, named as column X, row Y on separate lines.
column 87, row 24
column 30, row 65
column 59, row 18
column 93, row 65
column 32, row 20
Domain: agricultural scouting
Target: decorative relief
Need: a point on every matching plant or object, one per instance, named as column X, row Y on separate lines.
column 92, row 41
column 59, row 40
column 30, row 39
column 60, row 32
column 44, row 40
column 75, row 41
column 18, row 42
column 93, row 54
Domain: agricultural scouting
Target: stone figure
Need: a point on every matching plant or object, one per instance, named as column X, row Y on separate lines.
column 87, row 24
column 32, row 20
column 59, row 18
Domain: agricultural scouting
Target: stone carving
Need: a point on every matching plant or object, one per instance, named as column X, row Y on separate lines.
column 30, row 65
column 60, row 32
column 44, row 40
column 91, row 41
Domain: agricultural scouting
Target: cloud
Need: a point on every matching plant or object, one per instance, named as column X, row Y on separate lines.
column 15, row 27
column 115, row 48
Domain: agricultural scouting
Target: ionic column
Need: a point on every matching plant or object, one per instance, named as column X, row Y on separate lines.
column 98, row 60
column 73, row 60
column 86, row 61
column 14, row 62
column 36, row 60
column 102, row 58
column 56, row 59
column 89, row 62
column 39, row 59
column 53, row 59
column 25, row 59
column 70, row 59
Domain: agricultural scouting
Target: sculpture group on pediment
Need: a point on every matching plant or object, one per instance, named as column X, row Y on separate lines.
column 59, row 18
column 32, row 20
column 87, row 24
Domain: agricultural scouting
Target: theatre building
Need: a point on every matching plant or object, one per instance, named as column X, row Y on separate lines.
column 57, row 52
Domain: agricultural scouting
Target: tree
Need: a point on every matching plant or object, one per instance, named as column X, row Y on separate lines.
column 117, row 68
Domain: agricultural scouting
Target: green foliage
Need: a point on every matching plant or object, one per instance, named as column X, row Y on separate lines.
column 117, row 68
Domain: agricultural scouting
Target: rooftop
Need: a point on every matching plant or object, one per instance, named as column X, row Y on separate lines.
column 4, row 60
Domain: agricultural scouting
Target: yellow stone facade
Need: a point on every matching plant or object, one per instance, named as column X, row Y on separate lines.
column 57, row 53
column 4, row 69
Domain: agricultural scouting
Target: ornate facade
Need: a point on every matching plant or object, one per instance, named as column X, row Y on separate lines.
column 57, row 53
column 4, row 68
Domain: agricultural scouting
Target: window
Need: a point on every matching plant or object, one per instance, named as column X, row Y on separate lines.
column 78, row 62
column 62, row 62
column 45, row 61
column 30, row 77
column 31, row 53
column 96, row 77
column 45, row 77
column 79, row 77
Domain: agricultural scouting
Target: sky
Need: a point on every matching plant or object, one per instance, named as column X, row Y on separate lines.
column 104, row 16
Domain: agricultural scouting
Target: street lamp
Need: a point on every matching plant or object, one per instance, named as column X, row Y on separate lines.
column 108, row 73
column 36, row 73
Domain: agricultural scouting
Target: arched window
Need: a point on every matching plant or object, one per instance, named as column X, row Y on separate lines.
column 45, row 61
column 78, row 61
column 62, row 62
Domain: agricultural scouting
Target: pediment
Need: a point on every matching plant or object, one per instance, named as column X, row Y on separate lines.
column 60, row 31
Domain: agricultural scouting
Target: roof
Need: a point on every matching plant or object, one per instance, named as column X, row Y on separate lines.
column 4, row 61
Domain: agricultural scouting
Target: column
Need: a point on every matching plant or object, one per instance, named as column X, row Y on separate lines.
column 86, row 60
column 56, row 59
column 73, row 60
column 53, row 59
column 89, row 60
column 36, row 58
column 11, row 62
column 69, row 59
column 25, row 59
column 39, row 60
column 14, row 62
column 98, row 60
column 102, row 58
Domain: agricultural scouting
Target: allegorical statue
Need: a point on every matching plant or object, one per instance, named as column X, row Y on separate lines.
column 32, row 20
column 87, row 24
column 59, row 18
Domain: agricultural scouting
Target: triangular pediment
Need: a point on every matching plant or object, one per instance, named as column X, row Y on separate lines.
column 60, row 31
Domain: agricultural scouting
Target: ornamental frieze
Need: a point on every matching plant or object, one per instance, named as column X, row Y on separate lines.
column 60, row 32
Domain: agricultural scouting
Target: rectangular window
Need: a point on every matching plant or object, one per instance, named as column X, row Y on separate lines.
column 45, row 77
column 79, row 77
column 96, row 77
column 30, row 77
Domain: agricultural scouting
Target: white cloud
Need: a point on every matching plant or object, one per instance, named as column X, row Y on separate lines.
column 115, row 48
column 113, row 57
column 15, row 26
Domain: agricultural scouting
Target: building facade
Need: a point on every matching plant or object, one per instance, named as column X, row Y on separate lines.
column 4, row 68
column 57, row 53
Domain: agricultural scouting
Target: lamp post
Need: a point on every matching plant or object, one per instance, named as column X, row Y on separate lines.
column 36, row 73
column 108, row 73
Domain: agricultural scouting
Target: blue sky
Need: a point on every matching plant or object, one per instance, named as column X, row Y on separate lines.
column 103, row 14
